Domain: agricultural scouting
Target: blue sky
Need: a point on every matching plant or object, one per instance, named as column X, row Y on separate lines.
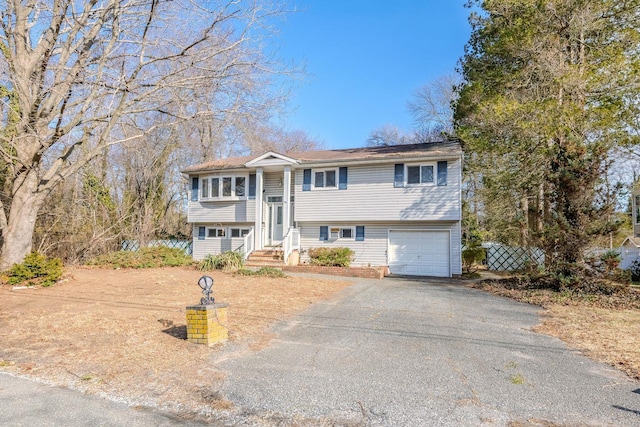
column 365, row 59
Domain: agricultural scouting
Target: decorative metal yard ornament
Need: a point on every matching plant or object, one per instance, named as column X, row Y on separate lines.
column 206, row 283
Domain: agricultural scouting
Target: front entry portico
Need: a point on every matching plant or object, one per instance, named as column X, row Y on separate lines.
column 273, row 201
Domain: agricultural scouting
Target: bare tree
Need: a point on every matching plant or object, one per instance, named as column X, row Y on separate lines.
column 432, row 111
column 389, row 135
column 432, row 107
column 77, row 75
column 267, row 137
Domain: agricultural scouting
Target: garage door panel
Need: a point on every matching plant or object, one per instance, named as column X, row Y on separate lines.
column 422, row 253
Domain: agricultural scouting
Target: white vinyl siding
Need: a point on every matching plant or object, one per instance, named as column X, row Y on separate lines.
column 373, row 250
column 371, row 196
column 214, row 246
column 222, row 211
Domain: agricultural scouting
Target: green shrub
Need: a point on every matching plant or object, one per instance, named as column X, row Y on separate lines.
column 472, row 254
column 153, row 257
column 226, row 261
column 263, row 271
column 331, row 257
column 36, row 269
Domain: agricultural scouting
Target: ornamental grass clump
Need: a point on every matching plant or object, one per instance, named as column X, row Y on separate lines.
column 226, row 261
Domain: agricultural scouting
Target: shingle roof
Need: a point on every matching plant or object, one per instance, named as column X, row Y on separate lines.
column 383, row 152
column 431, row 149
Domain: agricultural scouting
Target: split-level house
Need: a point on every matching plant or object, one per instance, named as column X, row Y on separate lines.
column 394, row 206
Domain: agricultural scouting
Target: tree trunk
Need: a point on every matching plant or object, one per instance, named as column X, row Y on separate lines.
column 524, row 222
column 18, row 235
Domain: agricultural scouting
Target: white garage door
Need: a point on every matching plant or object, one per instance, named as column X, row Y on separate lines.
column 419, row 253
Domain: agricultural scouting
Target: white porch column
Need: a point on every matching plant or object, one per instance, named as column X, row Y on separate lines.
column 286, row 200
column 257, row 232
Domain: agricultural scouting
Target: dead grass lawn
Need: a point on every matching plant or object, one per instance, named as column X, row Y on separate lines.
column 607, row 335
column 122, row 332
column 604, row 327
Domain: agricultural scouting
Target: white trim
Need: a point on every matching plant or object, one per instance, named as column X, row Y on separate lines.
column 263, row 160
column 258, row 213
column 240, row 230
column 223, row 229
column 324, row 171
column 631, row 240
column 286, row 200
column 220, row 197
column 340, row 228
column 434, row 176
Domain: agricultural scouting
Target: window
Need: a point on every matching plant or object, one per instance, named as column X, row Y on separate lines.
column 330, row 178
column 420, row 174
column 341, row 233
column 346, row 233
column 239, row 232
column 226, row 187
column 205, row 188
column 425, row 174
column 240, row 182
column 215, row 232
column 325, row 178
column 223, row 187
column 215, row 187
column 195, row 182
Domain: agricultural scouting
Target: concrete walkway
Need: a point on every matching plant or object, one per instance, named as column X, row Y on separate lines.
column 424, row 352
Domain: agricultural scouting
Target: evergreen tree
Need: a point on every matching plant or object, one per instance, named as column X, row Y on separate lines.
column 551, row 88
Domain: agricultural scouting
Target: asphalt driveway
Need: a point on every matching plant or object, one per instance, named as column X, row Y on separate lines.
column 423, row 352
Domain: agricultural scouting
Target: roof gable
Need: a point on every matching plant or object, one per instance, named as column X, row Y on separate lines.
column 631, row 242
column 271, row 158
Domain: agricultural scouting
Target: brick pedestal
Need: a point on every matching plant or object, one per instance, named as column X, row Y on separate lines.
column 207, row 324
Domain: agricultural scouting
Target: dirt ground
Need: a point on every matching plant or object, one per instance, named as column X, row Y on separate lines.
column 123, row 332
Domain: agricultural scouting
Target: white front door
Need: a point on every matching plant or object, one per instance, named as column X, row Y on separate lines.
column 419, row 253
column 275, row 215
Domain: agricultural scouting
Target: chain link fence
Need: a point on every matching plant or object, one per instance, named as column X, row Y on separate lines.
column 507, row 258
column 134, row 245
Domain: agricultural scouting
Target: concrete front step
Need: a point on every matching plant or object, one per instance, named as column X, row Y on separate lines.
column 266, row 255
column 265, row 258
column 258, row 264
